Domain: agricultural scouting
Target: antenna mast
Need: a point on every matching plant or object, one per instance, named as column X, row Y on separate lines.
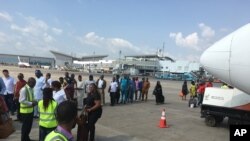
column 163, row 49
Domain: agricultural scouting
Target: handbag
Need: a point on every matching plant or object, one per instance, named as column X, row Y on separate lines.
column 181, row 94
column 83, row 118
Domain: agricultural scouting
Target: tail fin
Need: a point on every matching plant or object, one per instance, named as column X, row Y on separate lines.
column 19, row 60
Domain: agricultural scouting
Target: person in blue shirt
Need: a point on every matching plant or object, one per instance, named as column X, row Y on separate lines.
column 124, row 89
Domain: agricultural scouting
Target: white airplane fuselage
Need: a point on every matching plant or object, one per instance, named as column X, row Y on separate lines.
column 228, row 59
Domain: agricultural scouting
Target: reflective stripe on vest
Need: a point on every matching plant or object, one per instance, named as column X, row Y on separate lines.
column 55, row 136
column 47, row 117
column 29, row 97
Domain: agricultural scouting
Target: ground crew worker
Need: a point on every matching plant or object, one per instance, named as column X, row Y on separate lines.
column 46, row 109
column 27, row 104
column 224, row 86
column 65, row 123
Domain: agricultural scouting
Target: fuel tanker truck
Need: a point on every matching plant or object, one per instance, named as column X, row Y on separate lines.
column 229, row 60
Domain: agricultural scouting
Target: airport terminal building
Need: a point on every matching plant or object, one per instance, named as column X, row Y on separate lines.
column 10, row 59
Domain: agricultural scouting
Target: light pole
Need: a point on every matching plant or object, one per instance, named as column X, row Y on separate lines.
column 120, row 52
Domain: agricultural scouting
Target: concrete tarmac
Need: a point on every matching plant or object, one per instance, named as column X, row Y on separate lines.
column 139, row 121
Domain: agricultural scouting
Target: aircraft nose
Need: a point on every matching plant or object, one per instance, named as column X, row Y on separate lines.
column 215, row 59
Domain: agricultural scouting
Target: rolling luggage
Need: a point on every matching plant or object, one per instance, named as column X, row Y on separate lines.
column 162, row 99
column 192, row 103
column 82, row 130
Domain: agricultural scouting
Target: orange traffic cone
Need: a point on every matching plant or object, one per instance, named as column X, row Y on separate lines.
column 163, row 121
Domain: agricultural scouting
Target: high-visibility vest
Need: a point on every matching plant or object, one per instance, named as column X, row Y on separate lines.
column 47, row 117
column 55, row 136
column 25, row 109
column 224, row 87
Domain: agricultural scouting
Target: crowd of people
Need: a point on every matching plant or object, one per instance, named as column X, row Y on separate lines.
column 196, row 90
column 50, row 100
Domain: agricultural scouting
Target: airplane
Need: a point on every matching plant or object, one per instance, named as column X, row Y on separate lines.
column 228, row 59
column 23, row 64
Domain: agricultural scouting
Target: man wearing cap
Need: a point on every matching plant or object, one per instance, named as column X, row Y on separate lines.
column 38, row 90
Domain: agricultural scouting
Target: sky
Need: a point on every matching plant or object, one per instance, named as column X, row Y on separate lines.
column 185, row 28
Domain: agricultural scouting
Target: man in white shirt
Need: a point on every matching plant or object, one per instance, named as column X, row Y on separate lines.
column 101, row 85
column 38, row 90
column 9, row 92
column 47, row 81
column 113, row 90
column 80, row 92
column 58, row 94
column 88, row 82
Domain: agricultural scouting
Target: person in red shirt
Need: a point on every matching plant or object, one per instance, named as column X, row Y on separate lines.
column 201, row 91
column 20, row 83
column 209, row 83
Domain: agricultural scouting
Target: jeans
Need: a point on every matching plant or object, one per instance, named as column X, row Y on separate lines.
column 10, row 102
column 200, row 99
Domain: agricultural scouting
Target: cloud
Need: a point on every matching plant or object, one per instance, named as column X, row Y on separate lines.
column 109, row 45
column 36, row 31
column 92, row 39
column 47, row 38
column 5, row 16
column 34, row 27
column 195, row 41
column 206, row 31
column 31, row 36
column 57, row 31
column 3, row 38
column 120, row 43
column 190, row 41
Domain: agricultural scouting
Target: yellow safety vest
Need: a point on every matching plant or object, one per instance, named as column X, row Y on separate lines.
column 47, row 117
column 55, row 136
column 25, row 109
column 224, row 87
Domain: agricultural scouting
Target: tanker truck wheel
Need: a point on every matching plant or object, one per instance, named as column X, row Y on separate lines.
column 210, row 121
column 219, row 119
